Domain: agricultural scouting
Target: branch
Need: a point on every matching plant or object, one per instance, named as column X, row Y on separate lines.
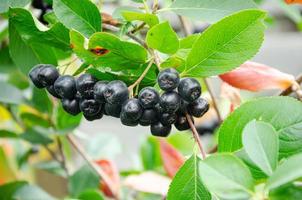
column 291, row 89
column 63, row 158
column 78, row 147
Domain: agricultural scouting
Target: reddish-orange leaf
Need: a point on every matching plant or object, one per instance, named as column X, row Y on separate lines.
column 172, row 159
column 111, row 170
column 257, row 77
column 293, row 1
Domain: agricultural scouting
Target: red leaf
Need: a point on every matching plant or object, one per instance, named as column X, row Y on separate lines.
column 111, row 170
column 293, row 1
column 172, row 159
column 256, row 77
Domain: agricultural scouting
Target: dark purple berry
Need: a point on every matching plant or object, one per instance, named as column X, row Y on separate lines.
column 85, row 85
column 113, row 110
column 47, row 75
column 182, row 123
column 128, row 121
column 168, row 118
column 132, row 109
column 71, row 106
column 168, row 79
column 189, row 89
column 116, row 92
column 198, row 108
column 148, row 97
column 170, row 101
column 33, row 75
column 158, row 129
column 96, row 116
column 148, row 117
column 99, row 89
column 65, row 87
column 51, row 90
column 90, row 107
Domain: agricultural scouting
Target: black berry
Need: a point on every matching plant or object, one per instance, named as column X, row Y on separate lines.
column 148, row 97
column 128, row 121
column 85, row 85
column 47, row 75
column 116, row 92
column 183, row 108
column 90, row 107
column 148, row 117
column 158, row 129
column 170, row 101
column 198, row 108
column 132, row 109
column 99, row 89
column 182, row 123
column 33, row 75
column 96, row 116
column 113, row 110
column 168, row 79
column 51, row 90
column 189, row 89
column 65, row 87
column 168, row 118
column 71, row 106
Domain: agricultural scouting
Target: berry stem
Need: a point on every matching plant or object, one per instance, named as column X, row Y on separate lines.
column 78, row 147
column 289, row 90
column 196, row 136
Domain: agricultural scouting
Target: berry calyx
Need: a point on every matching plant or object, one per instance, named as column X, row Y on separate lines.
column 168, row 79
column 160, row 130
column 189, row 89
column 148, row 97
column 170, row 101
column 47, row 75
column 90, row 107
column 132, row 109
column 198, row 108
column 71, row 106
column 65, row 87
column 116, row 92
column 85, row 85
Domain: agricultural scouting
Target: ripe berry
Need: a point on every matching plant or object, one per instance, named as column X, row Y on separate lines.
column 52, row 91
column 47, row 75
column 98, row 91
column 116, row 92
column 168, row 79
column 158, row 129
column 65, row 87
column 90, row 107
column 113, row 110
column 128, row 121
column 148, row 117
column 71, row 106
column 96, row 116
column 132, row 109
column 33, row 75
column 85, row 84
column 189, row 89
column 148, row 97
column 183, row 108
column 170, row 101
column 198, row 108
column 168, row 118
column 182, row 123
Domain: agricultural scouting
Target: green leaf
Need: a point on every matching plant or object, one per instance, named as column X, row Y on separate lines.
column 260, row 141
column 187, row 182
column 163, row 38
column 35, row 136
column 150, row 154
column 187, row 42
column 209, row 10
column 291, row 192
column 33, row 119
column 91, row 195
column 6, row 4
column 30, row 192
column 271, row 110
column 226, row 44
column 41, row 101
column 81, row 15
column 289, row 171
column 148, row 18
column 227, row 177
column 7, row 190
column 83, row 179
column 66, row 122
column 8, row 134
column 10, row 94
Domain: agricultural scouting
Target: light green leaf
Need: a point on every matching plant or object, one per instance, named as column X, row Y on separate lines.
column 209, row 10
column 148, row 18
column 227, row 177
column 187, row 42
column 10, row 94
column 7, row 134
column 30, row 192
column 91, row 195
column 226, row 44
column 289, row 171
column 163, row 38
column 6, row 4
column 271, row 110
column 64, row 122
column 260, row 141
column 150, row 154
column 35, row 136
column 187, row 183
column 41, row 101
column 7, row 190
column 81, row 15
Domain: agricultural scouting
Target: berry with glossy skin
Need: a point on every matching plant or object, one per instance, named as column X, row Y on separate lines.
column 33, row 75
column 182, row 123
column 170, row 101
column 148, row 117
column 168, row 118
column 116, row 92
column 96, row 116
column 85, row 85
column 113, row 110
column 158, row 129
column 189, row 89
column 98, row 90
column 198, row 108
column 183, row 108
column 90, row 107
column 132, row 109
column 148, row 97
column 168, row 79
column 65, row 87
column 71, row 106
column 47, row 75
column 128, row 121
column 51, row 90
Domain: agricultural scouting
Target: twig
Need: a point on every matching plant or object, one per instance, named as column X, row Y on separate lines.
column 78, row 147
column 196, row 136
column 184, row 25
column 139, row 27
column 63, row 158
column 289, row 90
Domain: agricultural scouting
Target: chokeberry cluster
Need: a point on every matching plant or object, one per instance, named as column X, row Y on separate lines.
column 95, row 98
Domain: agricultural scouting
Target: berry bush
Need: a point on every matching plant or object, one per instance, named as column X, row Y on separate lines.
column 65, row 63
